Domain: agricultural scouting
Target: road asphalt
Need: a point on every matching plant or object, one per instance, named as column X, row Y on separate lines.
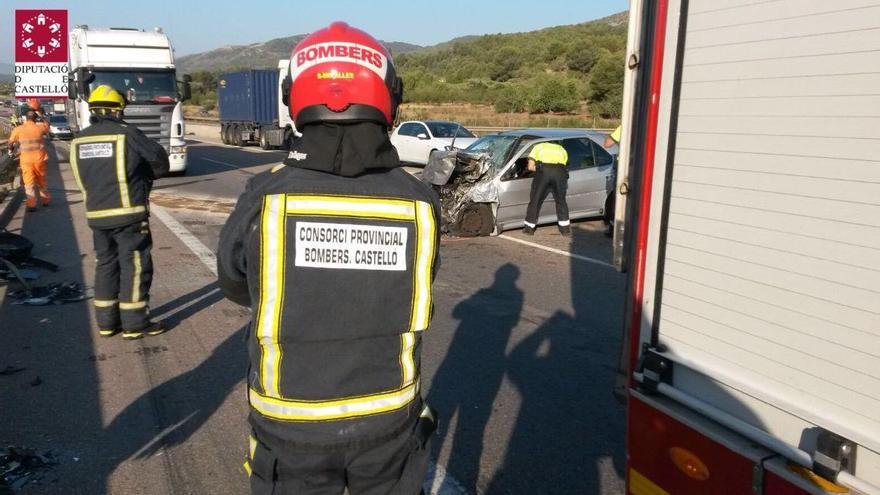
column 519, row 361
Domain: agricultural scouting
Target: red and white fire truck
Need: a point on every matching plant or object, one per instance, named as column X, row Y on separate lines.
column 748, row 221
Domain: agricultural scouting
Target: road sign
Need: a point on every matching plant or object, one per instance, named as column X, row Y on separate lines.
column 40, row 53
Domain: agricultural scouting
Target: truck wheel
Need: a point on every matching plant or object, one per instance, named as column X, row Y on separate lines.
column 264, row 142
column 236, row 136
column 474, row 220
column 224, row 134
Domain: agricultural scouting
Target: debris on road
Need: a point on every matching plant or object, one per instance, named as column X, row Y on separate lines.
column 18, row 467
column 16, row 259
column 461, row 179
column 11, row 370
column 57, row 293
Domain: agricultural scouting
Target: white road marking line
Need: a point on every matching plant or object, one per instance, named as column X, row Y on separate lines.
column 437, row 480
column 178, row 309
column 557, row 251
column 225, row 164
column 192, row 242
column 242, row 148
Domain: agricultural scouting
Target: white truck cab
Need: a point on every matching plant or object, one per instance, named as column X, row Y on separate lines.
column 140, row 65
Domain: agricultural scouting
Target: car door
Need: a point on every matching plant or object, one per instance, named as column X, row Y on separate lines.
column 423, row 144
column 606, row 170
column 405, row 140
column 514, row 192
column 581, row 168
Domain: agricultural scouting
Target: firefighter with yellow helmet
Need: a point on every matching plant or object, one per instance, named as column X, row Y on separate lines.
column 114, row 165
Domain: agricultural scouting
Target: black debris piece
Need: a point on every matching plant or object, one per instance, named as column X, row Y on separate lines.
column 19, row 466
column 11, row 370
column 57, row 293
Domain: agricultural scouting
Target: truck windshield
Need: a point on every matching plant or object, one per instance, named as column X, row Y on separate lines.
column 139, row 87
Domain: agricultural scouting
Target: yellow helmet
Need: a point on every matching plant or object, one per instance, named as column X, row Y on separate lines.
column 105, row 96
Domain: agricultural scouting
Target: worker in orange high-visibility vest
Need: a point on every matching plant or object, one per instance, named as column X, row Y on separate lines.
column 30, row 137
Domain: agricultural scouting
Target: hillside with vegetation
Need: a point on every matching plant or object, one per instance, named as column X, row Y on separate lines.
column 263, row 55
column 572, row 70
column 557, row 69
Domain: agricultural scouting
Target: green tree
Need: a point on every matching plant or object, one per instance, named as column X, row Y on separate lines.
column 511, row 99
column 553, row 93
column 506, row 62
column 606, row 85
column 581, row 56
column 607, row 76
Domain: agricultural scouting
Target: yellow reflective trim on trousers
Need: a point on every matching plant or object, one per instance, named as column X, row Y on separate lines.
column 114, row 212
column 247, row 468
column 252, row 446
column 425, row 239
column 133, row 305
column 407, row 361
column 136, row 277
column 392, row 209
column 272, row 232
column 295, row 410
column 105, row 303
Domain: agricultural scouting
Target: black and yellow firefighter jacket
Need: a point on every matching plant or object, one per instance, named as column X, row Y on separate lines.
column 114, row 165
column 335, row 251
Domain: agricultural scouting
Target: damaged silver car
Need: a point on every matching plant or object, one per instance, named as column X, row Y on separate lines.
column 484, row 189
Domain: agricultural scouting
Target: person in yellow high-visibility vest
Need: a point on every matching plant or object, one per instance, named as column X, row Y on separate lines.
column 549, row 161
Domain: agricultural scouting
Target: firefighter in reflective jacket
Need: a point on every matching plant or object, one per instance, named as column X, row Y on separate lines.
column 31, row 139
column 114, row 165
column 549, row 162
column 335, row 250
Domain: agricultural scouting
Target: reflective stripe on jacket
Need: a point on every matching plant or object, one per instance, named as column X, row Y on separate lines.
column 31, row 141
column 549, row 154
column 338, row 272
column 114, row 166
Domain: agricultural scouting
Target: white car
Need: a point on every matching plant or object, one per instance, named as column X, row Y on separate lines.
column 415, row 140
column 58, row 127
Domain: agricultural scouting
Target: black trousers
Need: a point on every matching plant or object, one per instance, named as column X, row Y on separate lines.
column 548, row 178
column 123, row 275
column 394, row 466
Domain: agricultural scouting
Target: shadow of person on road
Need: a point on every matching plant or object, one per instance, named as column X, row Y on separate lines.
column 569, row 434
column 468, row 380
column 174, row 312
column 181, row 405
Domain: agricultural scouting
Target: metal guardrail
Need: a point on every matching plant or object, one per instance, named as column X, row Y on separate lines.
column 479, row 130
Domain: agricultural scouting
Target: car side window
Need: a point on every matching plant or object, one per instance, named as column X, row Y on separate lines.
column 580, row 153
column 601, row 156
column 520, row 169
column 421, row 129
column 410, row 129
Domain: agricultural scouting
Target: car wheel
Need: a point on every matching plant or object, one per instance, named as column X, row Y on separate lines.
column 474, row 220
column 608, row 214
column 264, row 142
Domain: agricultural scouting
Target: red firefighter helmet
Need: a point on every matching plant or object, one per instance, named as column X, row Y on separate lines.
column 341, row 74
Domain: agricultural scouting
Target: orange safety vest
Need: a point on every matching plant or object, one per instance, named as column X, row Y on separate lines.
column 30, row 138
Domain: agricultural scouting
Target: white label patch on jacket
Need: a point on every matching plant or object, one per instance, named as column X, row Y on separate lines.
column 350, row 247
column 95, row 150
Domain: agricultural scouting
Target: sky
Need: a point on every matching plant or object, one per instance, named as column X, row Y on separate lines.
column 196, row 26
